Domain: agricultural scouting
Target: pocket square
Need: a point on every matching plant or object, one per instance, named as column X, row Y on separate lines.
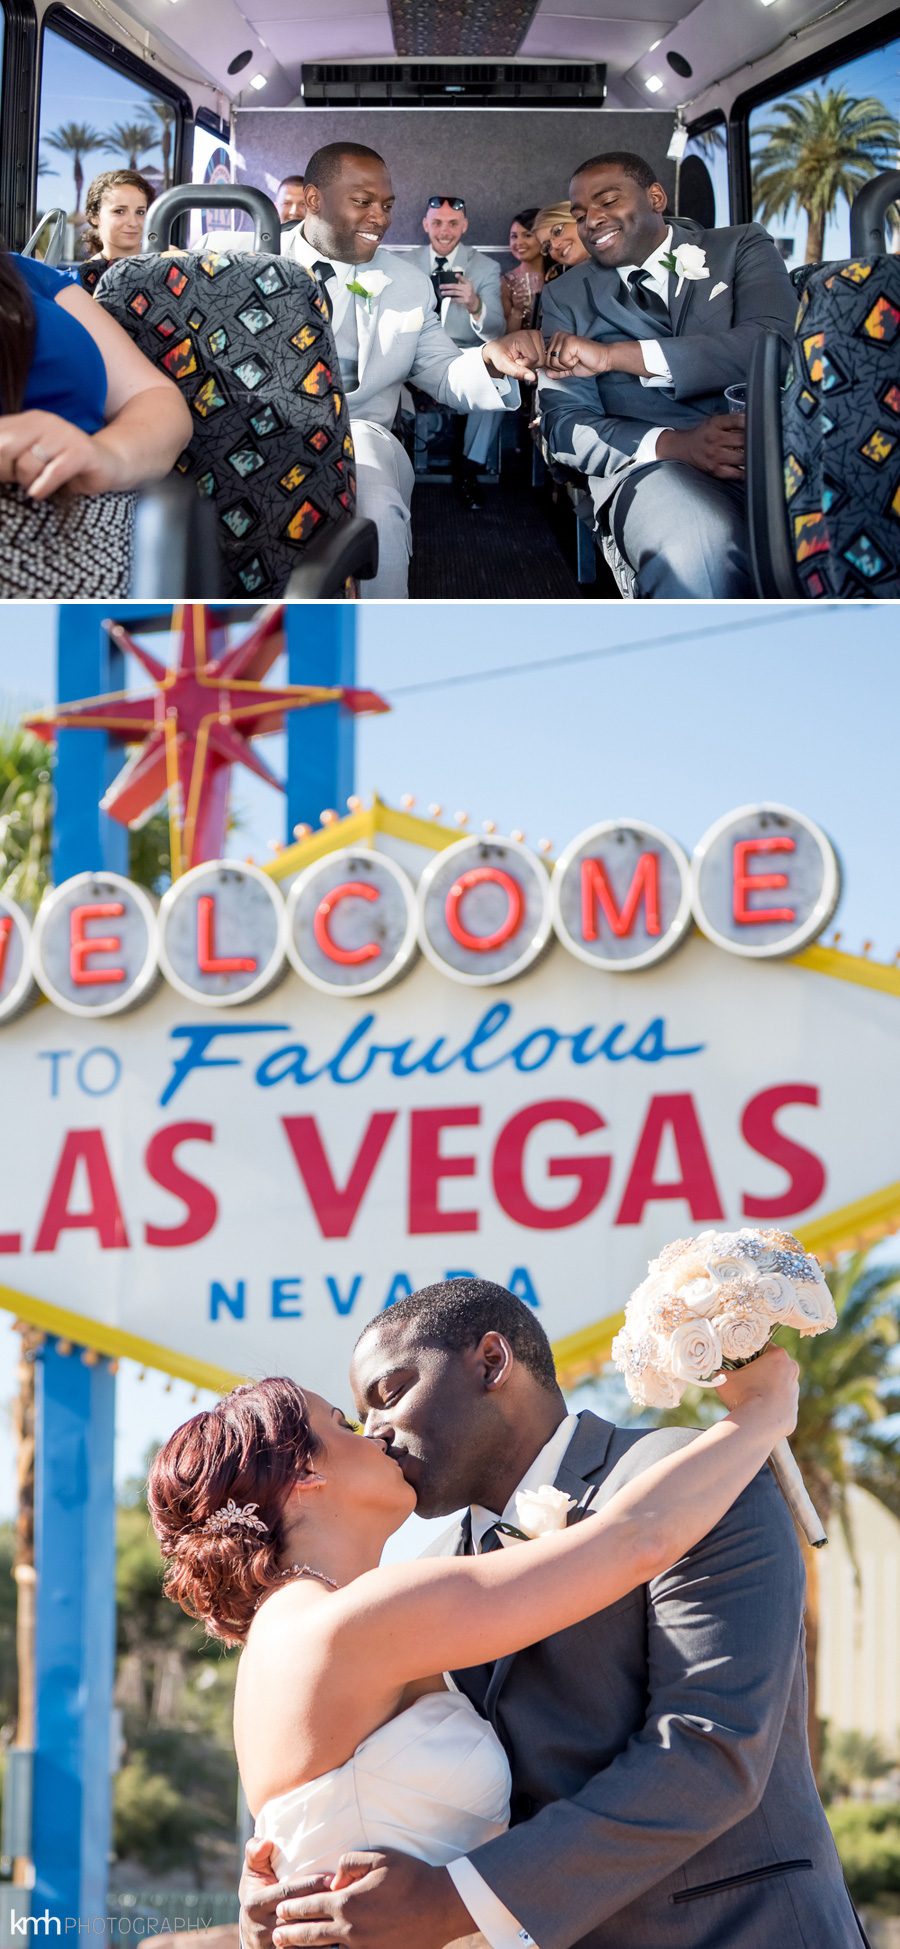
column 715, row 291
column 411, row 321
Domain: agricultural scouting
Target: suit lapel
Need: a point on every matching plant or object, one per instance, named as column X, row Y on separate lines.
column 366, row 322
column 604, row 294
column 678, row 306
column 583, row 1460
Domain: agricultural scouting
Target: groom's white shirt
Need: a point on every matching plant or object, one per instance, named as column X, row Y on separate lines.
column 488, row 1913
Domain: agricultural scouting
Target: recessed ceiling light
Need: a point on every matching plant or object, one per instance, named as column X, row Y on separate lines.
column 767, row 3
column 654, row 82
column 654, row 44
column 257, row 81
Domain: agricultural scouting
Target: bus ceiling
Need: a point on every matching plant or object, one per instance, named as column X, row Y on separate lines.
column 624, row 54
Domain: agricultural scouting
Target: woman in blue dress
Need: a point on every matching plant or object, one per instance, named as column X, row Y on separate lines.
column 83, row 411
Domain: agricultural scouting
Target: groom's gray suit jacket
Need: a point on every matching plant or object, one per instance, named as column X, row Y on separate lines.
column 597, row 425
column 662, row 1790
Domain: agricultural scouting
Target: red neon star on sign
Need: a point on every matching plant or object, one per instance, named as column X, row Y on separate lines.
column 195, row 724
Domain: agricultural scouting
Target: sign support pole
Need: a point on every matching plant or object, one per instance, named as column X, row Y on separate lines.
column 75, row 1425
column 321, row 643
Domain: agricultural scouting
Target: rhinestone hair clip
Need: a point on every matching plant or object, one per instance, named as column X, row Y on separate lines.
column 234, row 1516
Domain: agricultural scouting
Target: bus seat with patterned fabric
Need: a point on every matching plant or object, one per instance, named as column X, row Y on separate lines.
column 841, row 431
column 246, row 339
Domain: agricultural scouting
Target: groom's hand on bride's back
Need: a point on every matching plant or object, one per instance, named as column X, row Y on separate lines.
column 362, row 1908
column 260, row 1892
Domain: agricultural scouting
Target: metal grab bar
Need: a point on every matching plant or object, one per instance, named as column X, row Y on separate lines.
column 173, row 203
column 56, row 242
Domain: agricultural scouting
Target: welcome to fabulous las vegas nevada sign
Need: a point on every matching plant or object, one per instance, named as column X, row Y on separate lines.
column 251, row 1117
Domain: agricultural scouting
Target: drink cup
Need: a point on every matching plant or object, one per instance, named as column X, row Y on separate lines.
column 737, row 398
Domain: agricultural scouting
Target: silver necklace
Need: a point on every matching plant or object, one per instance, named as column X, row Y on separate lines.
column 306, row 1570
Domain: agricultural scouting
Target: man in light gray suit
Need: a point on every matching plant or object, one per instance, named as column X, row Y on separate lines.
column 467, row 290
column 662, row 1789
column 386, row 331
column 644, row 339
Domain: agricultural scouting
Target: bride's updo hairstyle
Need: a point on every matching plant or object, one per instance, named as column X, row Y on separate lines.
column 216, row 1494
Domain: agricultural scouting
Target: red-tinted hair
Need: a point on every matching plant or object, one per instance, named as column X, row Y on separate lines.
column 250, row 1448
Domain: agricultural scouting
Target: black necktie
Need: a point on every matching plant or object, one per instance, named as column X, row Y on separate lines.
column 649, row 302
column 440, row 264
column 322, row 271
column 490, row 1541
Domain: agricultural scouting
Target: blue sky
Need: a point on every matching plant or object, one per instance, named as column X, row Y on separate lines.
column 675, row 714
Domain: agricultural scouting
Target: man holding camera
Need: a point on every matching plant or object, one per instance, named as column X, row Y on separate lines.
column 466, row 286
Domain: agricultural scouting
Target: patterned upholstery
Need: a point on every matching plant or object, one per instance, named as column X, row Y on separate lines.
column 247, row 341
column 841, row 420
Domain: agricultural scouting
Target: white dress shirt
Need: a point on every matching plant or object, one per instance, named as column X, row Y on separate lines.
column 658, row 373
column 488, row 1913
column 477, row 317
column 338, row 296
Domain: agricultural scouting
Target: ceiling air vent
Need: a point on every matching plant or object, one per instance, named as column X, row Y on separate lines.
column 451, row 84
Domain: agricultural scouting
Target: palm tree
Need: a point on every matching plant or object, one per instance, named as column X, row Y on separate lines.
column 133, row 138
column 825, row 146
column 25, row 807
column 849, row 1385
column 76, row 139
column 165, row 115
column 26, row 800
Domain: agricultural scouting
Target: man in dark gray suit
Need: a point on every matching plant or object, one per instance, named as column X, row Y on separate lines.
column 644, row 339
column 662, row 1790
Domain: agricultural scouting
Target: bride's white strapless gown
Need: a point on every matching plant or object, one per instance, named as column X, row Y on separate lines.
column 434, row 1782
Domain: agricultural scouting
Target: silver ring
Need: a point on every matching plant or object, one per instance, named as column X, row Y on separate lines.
column 41, row 453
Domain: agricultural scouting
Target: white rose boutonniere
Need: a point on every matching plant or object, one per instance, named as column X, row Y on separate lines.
column 540, row 1512
column 687, row 262
column 369, row 285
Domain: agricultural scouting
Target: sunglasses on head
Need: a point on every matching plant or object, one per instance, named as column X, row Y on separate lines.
column 455, row 202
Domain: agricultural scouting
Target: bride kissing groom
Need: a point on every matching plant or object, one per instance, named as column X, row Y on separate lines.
column 595, row 1738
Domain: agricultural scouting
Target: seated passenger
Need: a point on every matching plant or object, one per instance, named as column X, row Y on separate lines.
column 467, row 290
column 387, row 332
column 290, row 201
column 83, row 410
column 519, row 288
column 645, row 338
column 557, row 232
column 115, row 206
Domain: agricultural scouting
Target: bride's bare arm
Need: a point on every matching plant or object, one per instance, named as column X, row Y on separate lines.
column 408, row 1620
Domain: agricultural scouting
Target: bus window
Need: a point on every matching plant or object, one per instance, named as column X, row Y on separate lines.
column 812, row 147
column 94, row 117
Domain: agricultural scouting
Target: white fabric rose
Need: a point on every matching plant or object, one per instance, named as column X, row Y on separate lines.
column 541, row 1511
column 814, row 1310
column 729, row 1267
column 643, row 1361
column 702, row 1297
column 691, row 263
column 742, row 1334
column 695, row 1352
column 373, row 282
column 778, row 1296
column 655, row 1389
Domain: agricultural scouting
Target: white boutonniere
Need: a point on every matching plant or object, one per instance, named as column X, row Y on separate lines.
column 368, row 285
column 687, row 262
column 540, row 1512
